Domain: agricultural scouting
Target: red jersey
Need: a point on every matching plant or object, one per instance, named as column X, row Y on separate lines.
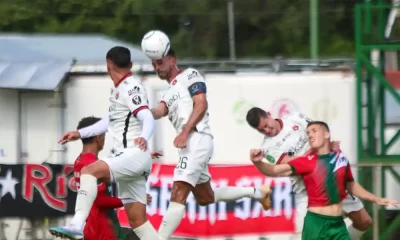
column 102, row 222
column 325, row 177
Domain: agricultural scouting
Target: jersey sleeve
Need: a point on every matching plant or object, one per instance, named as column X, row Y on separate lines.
column 302, row 165
column 300, row 119
column 349, row 174
column 135, row 97
column 194, row 82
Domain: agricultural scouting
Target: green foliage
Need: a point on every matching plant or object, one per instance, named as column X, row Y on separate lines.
column 197, row 28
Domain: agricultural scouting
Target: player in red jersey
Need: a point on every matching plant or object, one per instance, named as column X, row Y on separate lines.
column 102, row 222
column 327, row 176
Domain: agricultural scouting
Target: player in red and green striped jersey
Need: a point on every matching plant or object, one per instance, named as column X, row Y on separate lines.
column 327, row 177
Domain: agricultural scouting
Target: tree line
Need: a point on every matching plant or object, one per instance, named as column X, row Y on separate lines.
column 197, row 28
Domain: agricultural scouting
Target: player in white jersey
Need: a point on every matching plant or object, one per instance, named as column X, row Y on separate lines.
column 286, row 138
column 185, row 104
column 131, row 124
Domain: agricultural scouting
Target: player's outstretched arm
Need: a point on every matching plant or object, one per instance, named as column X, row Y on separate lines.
column 160, row 111
column 96, row 129
column 280, row 170
column 357, row 190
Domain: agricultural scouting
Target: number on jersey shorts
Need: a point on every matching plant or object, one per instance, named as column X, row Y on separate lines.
column 352, row 204
column 192, row 167
column 130, row 168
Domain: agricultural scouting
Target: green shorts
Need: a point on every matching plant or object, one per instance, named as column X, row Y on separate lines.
column 321, row 227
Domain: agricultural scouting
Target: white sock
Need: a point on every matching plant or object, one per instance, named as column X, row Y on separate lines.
column 171, row 220
column 86, row 195
column 226, row 194
column 146, row 232
column 355, row 234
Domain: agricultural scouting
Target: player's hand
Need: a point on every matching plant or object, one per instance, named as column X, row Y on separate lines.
column 256, row 155
column 155, row 155
column 141, row 143
column 181, row 140
column 69, row 137
column 335, row 146
column 149, row 198
column 386, row 202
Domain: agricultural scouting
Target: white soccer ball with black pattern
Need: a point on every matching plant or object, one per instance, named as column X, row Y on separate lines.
column 155, row 44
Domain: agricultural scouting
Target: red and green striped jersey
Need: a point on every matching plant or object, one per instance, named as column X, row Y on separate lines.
column 325, row 177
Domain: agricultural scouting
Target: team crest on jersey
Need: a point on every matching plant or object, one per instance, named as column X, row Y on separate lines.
column 340, row 162
column 117, row 96
column 136, row 100
column 173, row 82
column 295, row 127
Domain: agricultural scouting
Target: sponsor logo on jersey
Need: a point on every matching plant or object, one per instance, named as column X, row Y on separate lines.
column 192, row 75
column 172, row 99
column 136, row 100
column 307, row 119
column 283, row 107
column 135, row 90
column 299, row 146
column 270, row 159
column 112, row 107
column 340, row 162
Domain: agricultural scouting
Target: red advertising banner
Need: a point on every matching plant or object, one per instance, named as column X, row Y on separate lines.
column 241, row 217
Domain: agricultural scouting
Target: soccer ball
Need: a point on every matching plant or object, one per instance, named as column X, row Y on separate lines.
column 155, row 44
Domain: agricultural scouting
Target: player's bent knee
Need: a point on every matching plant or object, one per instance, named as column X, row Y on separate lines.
column 361, row 219
column 136, row 212
column 180, row 192
column 98, row 169
column 204, row 194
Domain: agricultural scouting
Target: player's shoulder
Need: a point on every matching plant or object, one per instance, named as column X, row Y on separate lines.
column 132, row 85
column 341, row 157
column 85, row 159
column 190, row 74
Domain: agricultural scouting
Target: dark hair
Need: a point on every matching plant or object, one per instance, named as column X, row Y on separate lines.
column 120, row 56
column 171, row 53
column 253, row 116
column 86, row 122
column 320, row 123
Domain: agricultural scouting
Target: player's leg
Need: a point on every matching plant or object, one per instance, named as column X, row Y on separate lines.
column 131, row 178
column 186, row 176
column 87, row 193
column 360, row 218
column 205, row 194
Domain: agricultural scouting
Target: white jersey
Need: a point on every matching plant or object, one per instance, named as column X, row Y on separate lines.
column 292, row 140
column 178, row 99
column 127, row 99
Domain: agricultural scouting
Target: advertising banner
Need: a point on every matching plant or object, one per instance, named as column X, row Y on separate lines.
column 243, row 217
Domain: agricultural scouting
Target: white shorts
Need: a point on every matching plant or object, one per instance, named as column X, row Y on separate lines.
column 192, row 167
column 130, row 168
column 352, row 204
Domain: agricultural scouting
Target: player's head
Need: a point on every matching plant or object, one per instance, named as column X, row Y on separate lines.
column 164, row 66
column 318, row 134
column 262, row 121
column 118, row 58
column 97, row 141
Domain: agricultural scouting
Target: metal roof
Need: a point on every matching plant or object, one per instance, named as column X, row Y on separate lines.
column 41, row 61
